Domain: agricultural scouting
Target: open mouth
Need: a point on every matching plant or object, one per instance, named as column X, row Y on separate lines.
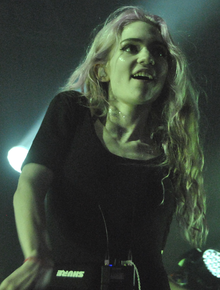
column 143, row 76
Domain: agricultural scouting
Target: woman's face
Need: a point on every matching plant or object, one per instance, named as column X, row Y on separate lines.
column 138, row 67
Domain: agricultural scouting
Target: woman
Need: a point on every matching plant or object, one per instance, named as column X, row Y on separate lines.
column 118, row 159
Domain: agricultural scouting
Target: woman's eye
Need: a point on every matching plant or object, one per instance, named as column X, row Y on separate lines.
column 131, row 48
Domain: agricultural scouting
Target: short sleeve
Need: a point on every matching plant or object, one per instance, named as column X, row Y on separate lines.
column 56, row 131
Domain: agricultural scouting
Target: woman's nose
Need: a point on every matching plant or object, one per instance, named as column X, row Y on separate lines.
column 145, row 57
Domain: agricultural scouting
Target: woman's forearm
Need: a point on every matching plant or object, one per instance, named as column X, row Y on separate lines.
column 30, row 215
column 30, row 223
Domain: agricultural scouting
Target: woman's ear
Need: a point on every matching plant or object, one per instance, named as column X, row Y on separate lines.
column 101, row 73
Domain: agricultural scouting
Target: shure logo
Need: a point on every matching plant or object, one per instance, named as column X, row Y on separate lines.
column 71, row 274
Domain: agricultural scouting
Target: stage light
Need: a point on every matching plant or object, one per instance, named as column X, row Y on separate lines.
column 211, row 259
column 16, row 156
column 198, row 270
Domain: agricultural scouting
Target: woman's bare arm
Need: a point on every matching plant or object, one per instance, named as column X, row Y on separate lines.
column 29, row 197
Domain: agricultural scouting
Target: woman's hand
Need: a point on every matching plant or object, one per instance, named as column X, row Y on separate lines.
column 31, row 275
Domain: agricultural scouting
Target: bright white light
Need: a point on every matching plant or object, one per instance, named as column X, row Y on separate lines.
column 16, row 156
column 211, row 259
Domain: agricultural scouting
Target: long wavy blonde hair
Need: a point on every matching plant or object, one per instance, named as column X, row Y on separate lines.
column 174, row 116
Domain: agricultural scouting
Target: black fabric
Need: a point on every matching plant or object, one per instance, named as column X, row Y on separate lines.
column 91, row 184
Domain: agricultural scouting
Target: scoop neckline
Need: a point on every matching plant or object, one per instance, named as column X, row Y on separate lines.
column 121, row 158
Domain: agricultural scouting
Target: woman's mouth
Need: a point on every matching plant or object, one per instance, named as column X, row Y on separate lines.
column 143, row 76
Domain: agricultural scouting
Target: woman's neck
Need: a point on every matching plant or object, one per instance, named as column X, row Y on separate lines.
column 131, row 120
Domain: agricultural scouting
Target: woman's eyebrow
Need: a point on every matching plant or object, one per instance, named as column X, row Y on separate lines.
column 132, row 39
column 154, row 42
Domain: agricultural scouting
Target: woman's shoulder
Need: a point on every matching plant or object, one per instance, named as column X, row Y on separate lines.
column 71, row 97
column 69, row 102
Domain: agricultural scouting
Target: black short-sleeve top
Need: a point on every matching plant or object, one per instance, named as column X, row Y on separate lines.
column 97, row 199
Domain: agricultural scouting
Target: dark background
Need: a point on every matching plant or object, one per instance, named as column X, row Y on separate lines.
column 42, row 41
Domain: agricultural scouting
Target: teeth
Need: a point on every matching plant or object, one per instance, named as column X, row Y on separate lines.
column 143, row 74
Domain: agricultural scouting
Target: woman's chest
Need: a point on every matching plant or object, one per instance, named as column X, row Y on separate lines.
column 122, row 146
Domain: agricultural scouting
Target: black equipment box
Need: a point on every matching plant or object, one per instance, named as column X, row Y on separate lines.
column 117, row 278
column 92, row 277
